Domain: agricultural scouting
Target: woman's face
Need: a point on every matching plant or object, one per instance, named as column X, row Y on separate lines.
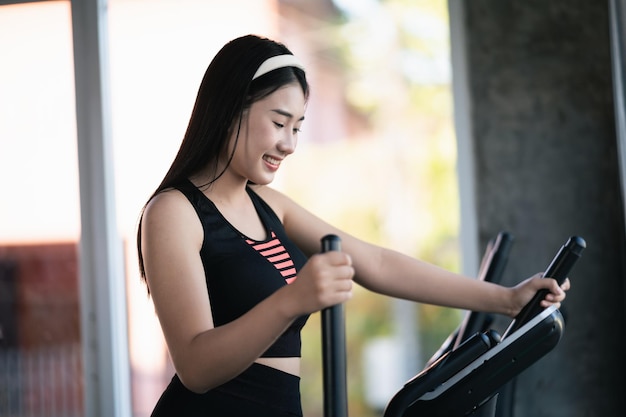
column 269, row 133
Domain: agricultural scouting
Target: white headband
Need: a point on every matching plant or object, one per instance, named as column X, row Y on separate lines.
column 276, row 62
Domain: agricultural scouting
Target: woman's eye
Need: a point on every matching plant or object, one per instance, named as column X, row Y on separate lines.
column 279, row 125
column 296, row 130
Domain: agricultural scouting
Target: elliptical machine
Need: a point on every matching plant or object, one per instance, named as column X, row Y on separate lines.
column 465, row 375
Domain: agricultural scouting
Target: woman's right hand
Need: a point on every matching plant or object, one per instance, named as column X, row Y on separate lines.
column 324, row 281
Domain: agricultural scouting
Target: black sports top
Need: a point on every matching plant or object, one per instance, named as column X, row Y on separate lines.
column 241, row 272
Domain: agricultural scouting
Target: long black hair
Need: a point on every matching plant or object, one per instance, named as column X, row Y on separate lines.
column 226, row 92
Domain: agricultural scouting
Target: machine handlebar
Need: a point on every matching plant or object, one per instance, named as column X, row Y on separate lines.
column 558, row 269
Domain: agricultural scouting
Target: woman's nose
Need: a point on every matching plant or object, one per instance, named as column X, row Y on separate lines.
column 288, row 143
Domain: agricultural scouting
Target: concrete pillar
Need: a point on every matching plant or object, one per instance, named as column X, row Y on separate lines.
column 545, row 167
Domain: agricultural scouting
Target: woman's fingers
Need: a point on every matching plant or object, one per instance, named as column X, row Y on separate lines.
column 325, row 280
column 556, row 294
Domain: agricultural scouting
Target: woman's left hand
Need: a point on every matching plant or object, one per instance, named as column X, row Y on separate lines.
column 525, row 291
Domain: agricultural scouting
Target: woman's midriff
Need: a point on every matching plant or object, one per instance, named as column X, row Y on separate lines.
column 288, row 365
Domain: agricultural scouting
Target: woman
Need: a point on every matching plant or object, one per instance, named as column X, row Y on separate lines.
column 233, row 265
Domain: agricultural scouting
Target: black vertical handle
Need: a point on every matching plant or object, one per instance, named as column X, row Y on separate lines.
column 334, row 349
column 558, row 269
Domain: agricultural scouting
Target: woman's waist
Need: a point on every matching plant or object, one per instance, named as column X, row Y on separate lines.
column 290, row 365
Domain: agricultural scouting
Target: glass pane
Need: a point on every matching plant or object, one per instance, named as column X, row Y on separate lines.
column 40, row 347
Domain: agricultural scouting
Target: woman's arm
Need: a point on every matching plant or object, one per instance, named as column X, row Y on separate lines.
column 204, row 355
column 395, row 274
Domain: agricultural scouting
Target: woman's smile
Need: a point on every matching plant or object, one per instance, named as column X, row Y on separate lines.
column 272, row 162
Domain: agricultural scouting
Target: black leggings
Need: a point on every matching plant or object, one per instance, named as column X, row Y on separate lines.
column 260, row 391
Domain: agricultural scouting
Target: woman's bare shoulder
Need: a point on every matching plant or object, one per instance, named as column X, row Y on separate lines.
column 171, row 212
column 166, row 201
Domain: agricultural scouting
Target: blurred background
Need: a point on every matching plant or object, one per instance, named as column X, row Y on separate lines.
column 529, row 144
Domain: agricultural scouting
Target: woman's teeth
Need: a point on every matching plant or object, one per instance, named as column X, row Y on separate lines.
column 271, row 160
